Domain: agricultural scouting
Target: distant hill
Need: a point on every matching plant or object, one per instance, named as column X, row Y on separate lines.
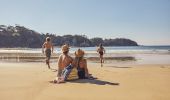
column 20, row 36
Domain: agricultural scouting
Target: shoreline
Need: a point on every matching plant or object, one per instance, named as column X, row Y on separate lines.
column 91, row 57
column 159, row 49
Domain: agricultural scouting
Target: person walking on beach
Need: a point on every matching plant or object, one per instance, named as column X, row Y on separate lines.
column 48, row 50
column 101, row 51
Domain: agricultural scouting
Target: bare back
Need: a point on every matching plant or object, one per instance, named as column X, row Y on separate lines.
column 47, row 45
column 64, row 60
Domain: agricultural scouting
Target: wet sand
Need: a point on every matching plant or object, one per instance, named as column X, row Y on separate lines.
column 137, row 58
column 32, row 81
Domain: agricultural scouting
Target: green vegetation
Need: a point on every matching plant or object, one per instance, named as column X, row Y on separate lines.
column 19, row 36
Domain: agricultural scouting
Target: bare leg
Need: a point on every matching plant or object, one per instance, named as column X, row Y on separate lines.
column 101, row 60
column 59, row 80
column 101, row 64
column 48, row 63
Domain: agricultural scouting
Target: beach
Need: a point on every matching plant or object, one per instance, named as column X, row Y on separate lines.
column 33, row 81
column 119, row 50
column 129, row 73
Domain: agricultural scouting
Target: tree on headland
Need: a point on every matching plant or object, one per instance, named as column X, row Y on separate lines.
column 20, row 36
column 119, row 42
column 95, row 41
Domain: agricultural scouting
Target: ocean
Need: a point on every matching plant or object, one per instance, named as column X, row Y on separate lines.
column 126, row 49
column 142, row 54
column 112, row 49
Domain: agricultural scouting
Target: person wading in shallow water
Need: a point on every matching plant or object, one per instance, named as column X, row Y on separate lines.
column 48, row 50
column 101, row 51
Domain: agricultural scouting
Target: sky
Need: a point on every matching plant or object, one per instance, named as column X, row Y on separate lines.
column 145, row 21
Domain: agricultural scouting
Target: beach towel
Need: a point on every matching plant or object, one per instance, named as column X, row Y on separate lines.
column 67, row 71
column 73, row 74
column 70, row 73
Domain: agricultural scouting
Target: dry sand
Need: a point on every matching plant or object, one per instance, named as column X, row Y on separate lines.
column 31, row 81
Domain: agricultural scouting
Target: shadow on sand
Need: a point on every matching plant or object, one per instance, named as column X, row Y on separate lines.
column 118, row 67
column 54, row 70
column 94, row 81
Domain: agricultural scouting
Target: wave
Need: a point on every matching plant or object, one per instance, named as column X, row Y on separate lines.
column 92, row 50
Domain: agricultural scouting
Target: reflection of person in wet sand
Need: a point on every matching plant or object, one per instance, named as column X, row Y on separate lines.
column 101, row 51
column 48, row 50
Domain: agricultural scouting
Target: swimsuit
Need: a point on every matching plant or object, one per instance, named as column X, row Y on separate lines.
column 48, row 54
column 101, row 52
column 81, row 73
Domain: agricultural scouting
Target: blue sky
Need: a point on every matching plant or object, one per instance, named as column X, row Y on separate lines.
column 145, row 21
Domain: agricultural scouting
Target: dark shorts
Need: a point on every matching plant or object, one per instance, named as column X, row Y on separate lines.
column 48, row 54
column 81, row 73
column 101, row 53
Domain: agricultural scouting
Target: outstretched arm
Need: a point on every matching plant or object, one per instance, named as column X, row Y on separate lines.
column 59, row 61
column 85, row 66
column 97, row 50
column 52, row 47
column 104, row 50
column 43, row 48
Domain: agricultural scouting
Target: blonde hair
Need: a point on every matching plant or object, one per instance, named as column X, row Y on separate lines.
column 77, row 61
column 48, row 39
column 65, row 48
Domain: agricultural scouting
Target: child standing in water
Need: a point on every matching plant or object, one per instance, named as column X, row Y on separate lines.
column 101, row 51
column 48, row 50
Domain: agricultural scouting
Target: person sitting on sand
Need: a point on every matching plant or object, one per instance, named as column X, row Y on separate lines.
column 63, row 61
column 81, row 64
column 101, row 51
column 48, row 50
